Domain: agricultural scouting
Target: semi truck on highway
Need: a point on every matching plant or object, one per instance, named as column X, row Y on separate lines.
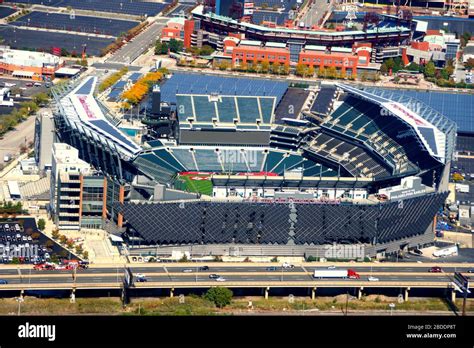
column 335, row 273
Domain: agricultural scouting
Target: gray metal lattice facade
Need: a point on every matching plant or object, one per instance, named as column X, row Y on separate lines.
column 198, row 222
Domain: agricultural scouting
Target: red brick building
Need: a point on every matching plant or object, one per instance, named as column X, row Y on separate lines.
column 179, row 29
column 254, row 52
column 345, row 60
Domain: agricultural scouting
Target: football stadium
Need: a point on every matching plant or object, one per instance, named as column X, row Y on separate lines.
column 258, row 166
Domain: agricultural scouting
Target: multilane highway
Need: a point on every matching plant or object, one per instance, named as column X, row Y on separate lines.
column 236, row 275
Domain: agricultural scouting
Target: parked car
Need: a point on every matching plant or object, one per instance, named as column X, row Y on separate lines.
column 271, row 268
column 214, row 276
column 288, row 265
column 372, row 279
column 3, row 282
column 220, row 279
column 204, row 268
column 187, row 270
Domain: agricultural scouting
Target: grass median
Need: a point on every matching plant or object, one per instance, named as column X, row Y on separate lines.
column 196, row 305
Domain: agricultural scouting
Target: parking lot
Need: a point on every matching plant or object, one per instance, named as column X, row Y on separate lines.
column 24, row 85
column 83, row 24
column 21, row 240
column 44, row 40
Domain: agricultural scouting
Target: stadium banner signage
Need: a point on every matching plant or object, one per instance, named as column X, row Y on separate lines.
column 85, row 106
column 294, row 200
column 406, row 193
column 404, row 113
column 248, row 5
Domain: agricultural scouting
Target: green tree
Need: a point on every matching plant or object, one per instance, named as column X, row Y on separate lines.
column 465, row 38
column 430, row 69
column 389, row 63
column 40, row 98
column 41, row 224
column 413, row 67
column 221, row 297
column 64, row 52
column 161, row 47
column 206, row 50
column 175, row 45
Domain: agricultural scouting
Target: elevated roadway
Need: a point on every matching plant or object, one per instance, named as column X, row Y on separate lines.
column 237, row 275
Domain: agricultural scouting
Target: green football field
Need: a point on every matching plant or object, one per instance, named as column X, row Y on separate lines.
column 200, row 186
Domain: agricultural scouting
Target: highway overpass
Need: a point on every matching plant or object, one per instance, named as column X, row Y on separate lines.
column 174, row 277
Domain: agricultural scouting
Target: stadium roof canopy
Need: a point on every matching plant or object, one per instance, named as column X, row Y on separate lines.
column 432, row 128
column 455, row 106
column 84, row 114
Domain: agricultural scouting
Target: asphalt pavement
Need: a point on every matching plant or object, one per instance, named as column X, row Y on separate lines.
column 170, row 274
column 139, row 44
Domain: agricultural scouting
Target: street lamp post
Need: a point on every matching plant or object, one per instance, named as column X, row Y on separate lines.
column 392, row 306
column 19, row 300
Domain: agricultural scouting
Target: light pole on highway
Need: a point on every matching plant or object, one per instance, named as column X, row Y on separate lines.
column 19, row 300
column 392, row 306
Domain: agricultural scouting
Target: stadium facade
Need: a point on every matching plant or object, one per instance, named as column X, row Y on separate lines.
column 388, row 31
column 350, row 165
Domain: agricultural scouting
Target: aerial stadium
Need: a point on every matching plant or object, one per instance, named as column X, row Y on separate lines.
column 234, row 164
